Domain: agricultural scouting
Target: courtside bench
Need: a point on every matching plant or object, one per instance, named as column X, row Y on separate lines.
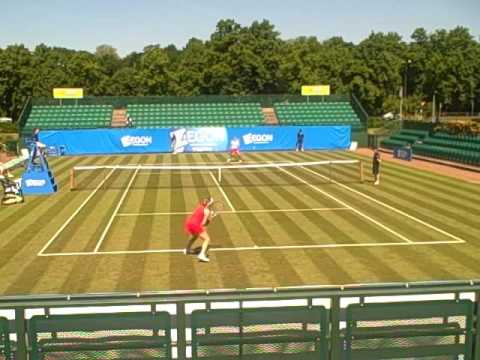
column 288, row 333
column 6, row 352
column 101, row 336
column 409, row 330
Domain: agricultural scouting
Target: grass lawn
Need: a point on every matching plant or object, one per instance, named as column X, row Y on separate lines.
column 122, row 230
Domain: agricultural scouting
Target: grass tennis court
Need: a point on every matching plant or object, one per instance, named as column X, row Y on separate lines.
column 122, row 230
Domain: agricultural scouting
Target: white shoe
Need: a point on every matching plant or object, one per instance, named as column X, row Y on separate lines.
column 376, row 183
column 229, row 160
column 203, row 258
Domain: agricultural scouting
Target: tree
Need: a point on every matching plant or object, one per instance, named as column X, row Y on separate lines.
column 108, row 59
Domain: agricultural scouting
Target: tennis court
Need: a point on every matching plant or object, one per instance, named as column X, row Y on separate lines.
column 289, row 219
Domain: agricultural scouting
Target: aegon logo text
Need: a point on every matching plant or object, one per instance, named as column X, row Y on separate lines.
column 35, row 183
column 136, row 140
column 257, row 138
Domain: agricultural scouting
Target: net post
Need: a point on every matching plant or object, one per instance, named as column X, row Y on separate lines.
column 219, row 174
column 72, row 179
column 361, row 171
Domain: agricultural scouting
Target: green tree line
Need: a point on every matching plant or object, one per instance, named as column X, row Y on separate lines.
column 241, row 60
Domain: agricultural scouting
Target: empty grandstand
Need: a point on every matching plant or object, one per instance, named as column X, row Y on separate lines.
column 196, row 114
column 69, row 117
column 206, row 111
column 317, row 113
column 457, row 148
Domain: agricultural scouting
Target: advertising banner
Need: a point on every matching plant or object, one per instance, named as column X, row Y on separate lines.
column 107, row 141
column 207, row 139
column 316, row 90
column 264, row 138
column 187, row 140
column 66, row 93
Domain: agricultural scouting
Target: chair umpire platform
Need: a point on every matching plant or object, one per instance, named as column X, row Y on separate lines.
column 38, row 179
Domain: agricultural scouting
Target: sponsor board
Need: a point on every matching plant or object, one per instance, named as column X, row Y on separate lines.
column 141, row 141
column 198, row 139
column 35, row 182
column 257, row 139
column 67, row 93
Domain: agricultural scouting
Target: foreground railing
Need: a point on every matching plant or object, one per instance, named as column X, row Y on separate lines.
column 383, row 321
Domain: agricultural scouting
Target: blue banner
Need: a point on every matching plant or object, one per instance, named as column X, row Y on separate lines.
column 107, row 141
column 207, row 139
column 285, row 137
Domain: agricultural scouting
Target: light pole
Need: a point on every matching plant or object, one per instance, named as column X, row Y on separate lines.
column 405, row 77
column 434, row 107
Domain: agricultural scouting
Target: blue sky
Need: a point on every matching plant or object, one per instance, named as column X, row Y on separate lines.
column 129, row 25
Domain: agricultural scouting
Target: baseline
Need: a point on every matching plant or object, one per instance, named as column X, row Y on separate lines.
column 253, row 248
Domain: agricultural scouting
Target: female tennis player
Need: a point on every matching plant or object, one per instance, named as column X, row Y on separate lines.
column 235, row 150
column 195, row 227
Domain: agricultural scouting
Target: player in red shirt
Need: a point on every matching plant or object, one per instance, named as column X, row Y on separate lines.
column 195, row 226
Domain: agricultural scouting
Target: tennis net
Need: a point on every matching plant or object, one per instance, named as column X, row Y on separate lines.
column 157, row 176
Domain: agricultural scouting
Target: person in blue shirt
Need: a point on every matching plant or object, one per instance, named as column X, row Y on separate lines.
column 300, row 138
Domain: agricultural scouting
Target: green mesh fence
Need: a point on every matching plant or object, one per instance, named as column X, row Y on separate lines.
column 101, row 336
column 428, row 330
column 262, row 333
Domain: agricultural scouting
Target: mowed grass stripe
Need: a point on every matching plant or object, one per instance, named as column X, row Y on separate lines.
column 13, row 214
column 410, row 228
column 349, row 222
column 381, row 214
column 413, row 184
column 24, row 215
column 50, row 207
column 427, row 270
column 324, row 260
column 456, row 186
column 445, row 251
column 417, row 196
column 258, row 271
column 263, row 234
column 230, row 268
column 35, row 267
column 445, row 220
column 132, row 269
column 181, row 270
column 87, row 226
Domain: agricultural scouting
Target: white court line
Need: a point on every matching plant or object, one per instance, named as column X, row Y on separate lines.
column 69, row 220
column 117, row 208
column 398, row 211
column 234, row 212
column 358, row 212
column 221, row 190
column 250, row 248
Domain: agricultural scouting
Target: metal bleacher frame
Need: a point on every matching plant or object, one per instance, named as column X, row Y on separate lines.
column 377, row 321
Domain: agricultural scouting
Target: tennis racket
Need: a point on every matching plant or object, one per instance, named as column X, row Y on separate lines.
column 217, row 207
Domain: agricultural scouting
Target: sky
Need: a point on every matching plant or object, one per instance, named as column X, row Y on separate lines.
column 130, row 25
